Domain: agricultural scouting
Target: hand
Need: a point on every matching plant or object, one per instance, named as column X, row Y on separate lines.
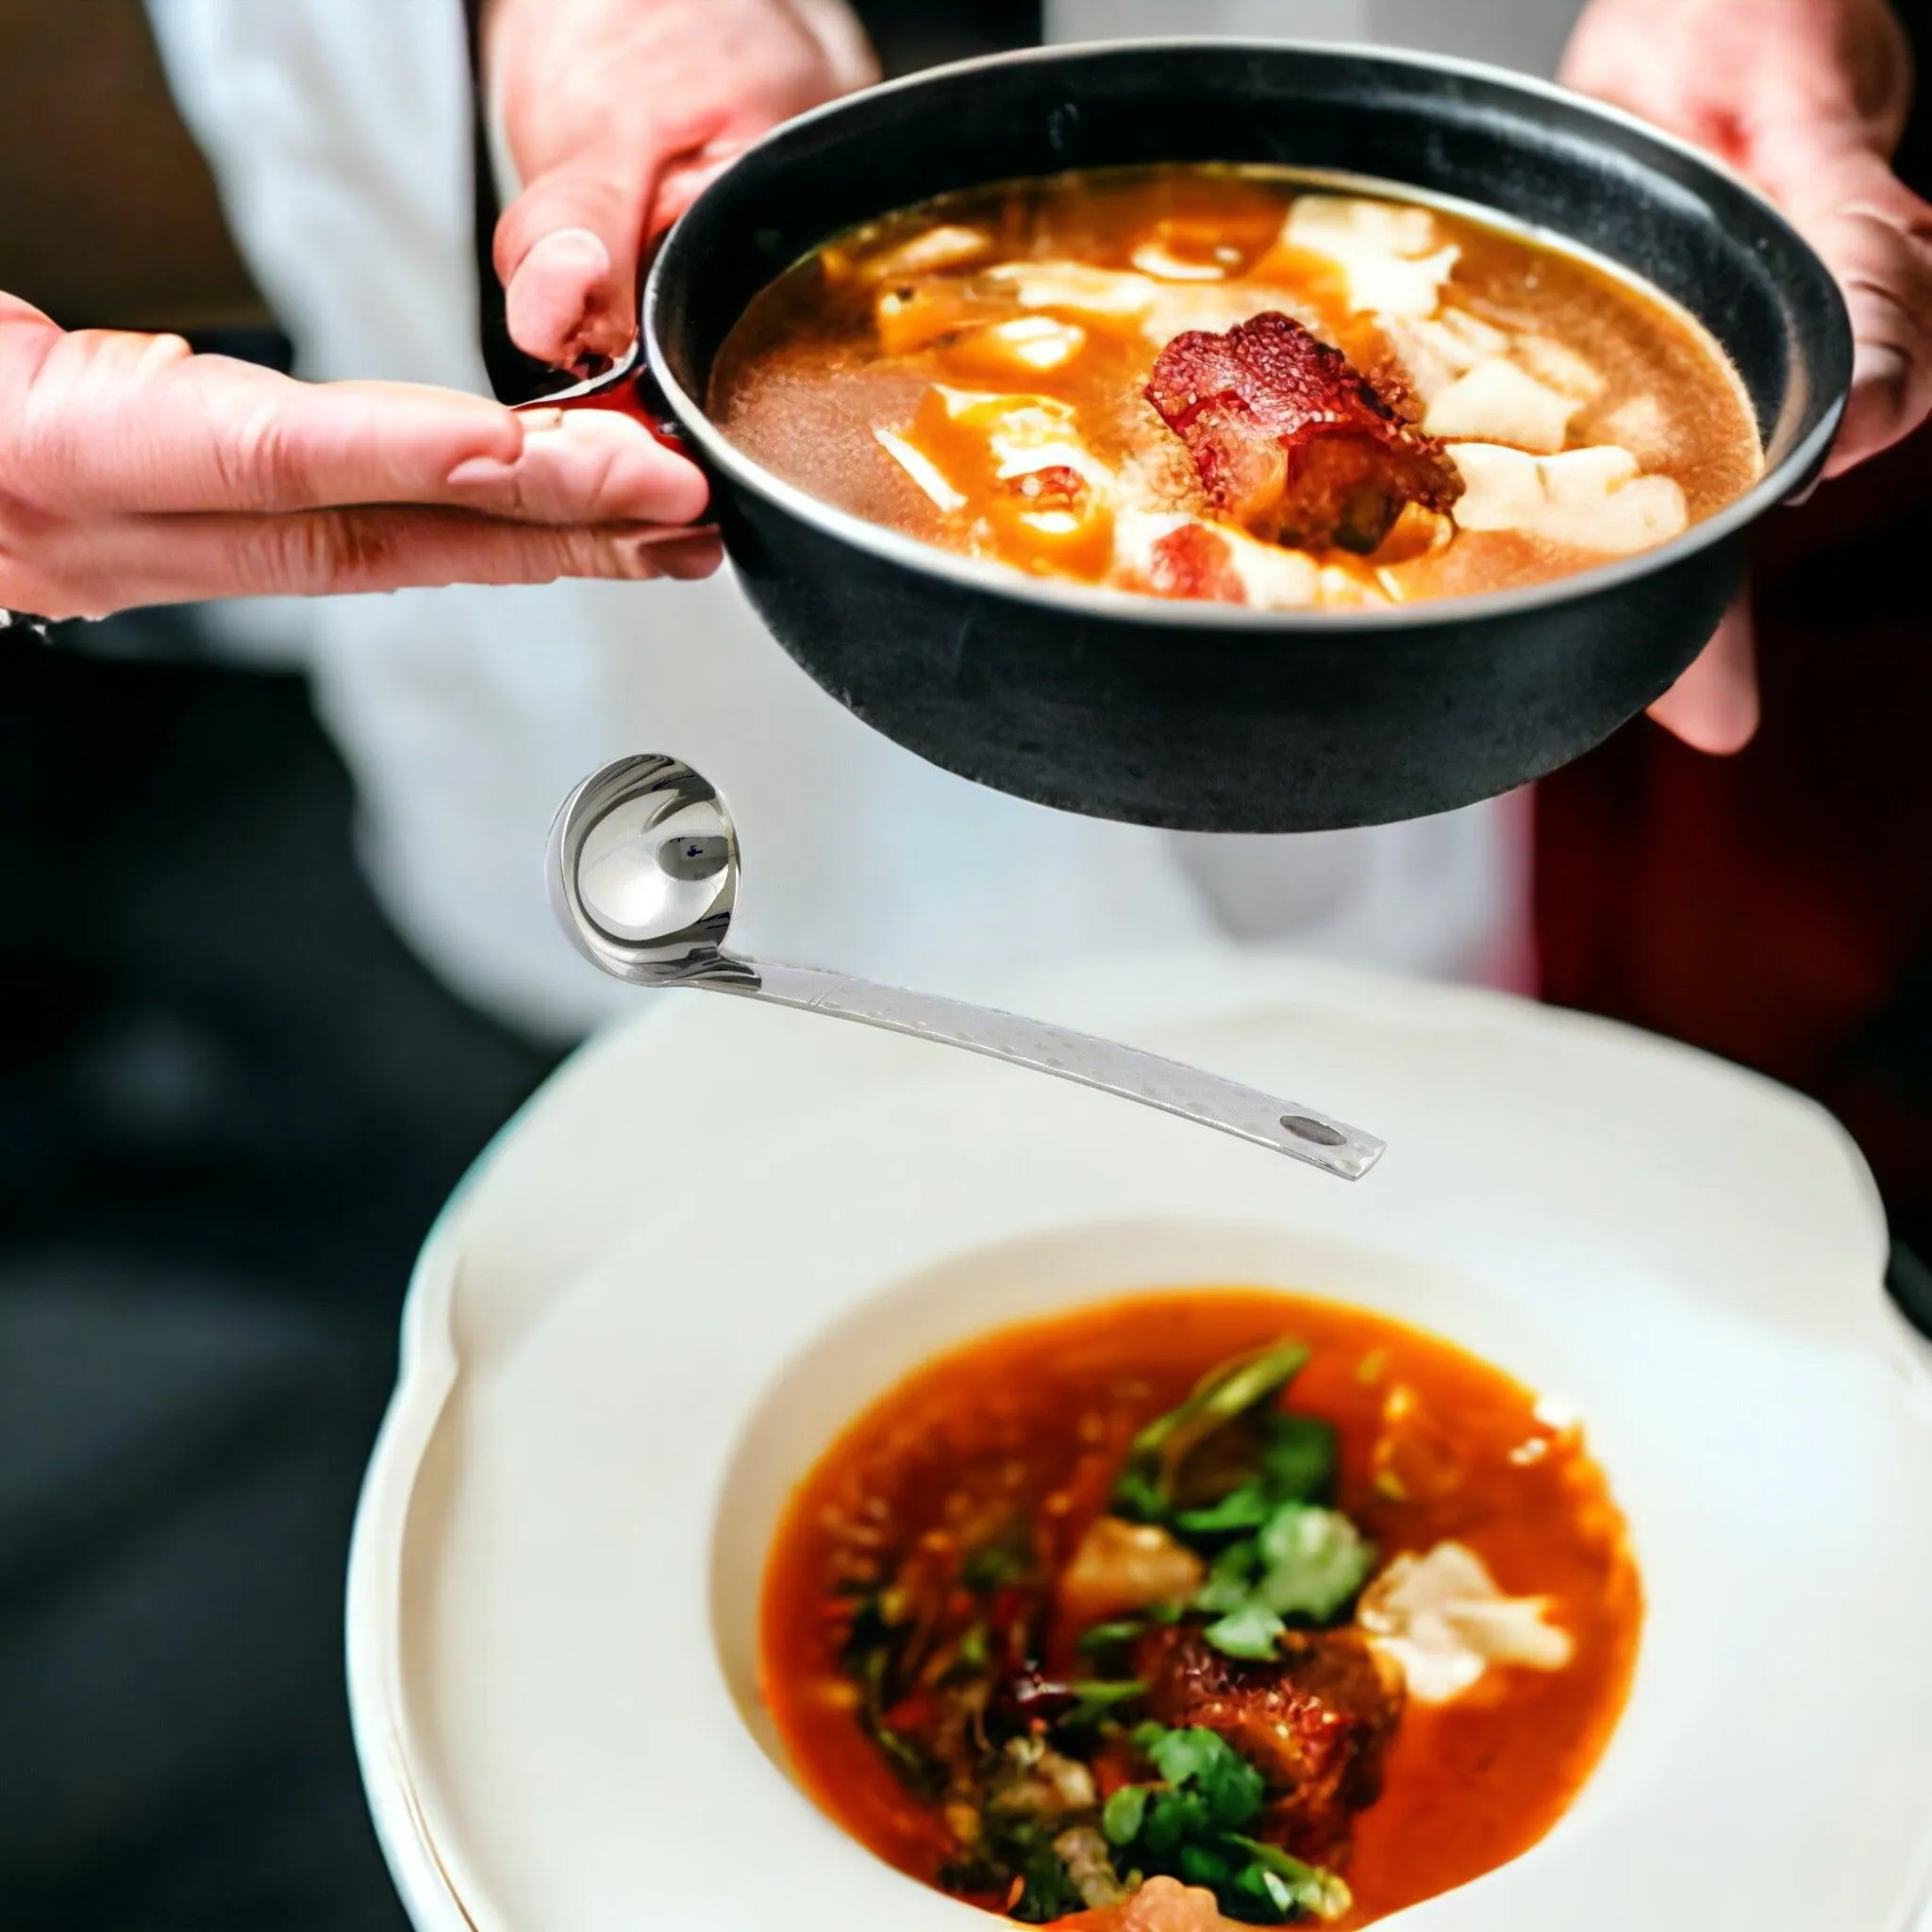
column 616, row 113
column 133, row 472
column 1807, row 99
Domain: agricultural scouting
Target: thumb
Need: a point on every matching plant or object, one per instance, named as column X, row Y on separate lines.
column 1713, row 707
column 568, row 251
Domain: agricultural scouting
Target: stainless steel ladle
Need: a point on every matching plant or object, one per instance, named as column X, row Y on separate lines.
column 643, row 872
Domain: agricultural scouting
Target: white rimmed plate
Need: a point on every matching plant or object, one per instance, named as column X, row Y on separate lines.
column 718, row 1231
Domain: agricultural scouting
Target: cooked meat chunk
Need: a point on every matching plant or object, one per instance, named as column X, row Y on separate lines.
column 1291, row 441
column 1163, row 1904
column 1316, row 1723
column 1118, row 1567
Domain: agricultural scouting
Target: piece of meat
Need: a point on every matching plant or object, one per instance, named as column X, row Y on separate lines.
column 1291, row 441
column 1316, row 1723
column 1161, row 1905
column 1119, row 1566
column 1196, row 562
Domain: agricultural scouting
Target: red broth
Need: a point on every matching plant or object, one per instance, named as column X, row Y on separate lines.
column 1434, row 1444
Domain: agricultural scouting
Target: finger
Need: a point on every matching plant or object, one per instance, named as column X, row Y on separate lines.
column 567, row 250
column 1882, row 256
column 1713, row 708
column 584, row 466
column 147, row 561
column 684, row 180
column 137, row 425
column 1875, row 236
column 690, row 557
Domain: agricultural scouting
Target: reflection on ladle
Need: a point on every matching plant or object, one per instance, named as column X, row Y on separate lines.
column 643, row 873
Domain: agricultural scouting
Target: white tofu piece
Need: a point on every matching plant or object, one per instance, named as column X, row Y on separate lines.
column 1074, row 287
column 1443, row 1620
column 1560, row 366
column 1584, row 499
column 1388, row 254
column 937, row 249
column 1495, row 402
column 1027, row 344
column 1343, row 225
column 921, row 469
column 1217, row 307
column 1639, row 425
column 1024, row 434
column 1153, row 259
column 1272, row 579
column 1435, row 350
column 1389, row 285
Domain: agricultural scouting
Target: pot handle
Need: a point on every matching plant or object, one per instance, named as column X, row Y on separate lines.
column 629, row 389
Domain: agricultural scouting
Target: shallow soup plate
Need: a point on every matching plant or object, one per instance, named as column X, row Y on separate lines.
column 722, row 1229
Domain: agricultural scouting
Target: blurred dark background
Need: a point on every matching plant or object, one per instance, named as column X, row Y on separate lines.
column 231, row 1102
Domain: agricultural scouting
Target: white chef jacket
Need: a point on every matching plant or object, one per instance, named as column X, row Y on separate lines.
column 340, row 133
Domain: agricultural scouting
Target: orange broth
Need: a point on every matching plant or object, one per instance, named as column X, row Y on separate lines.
column 1043, row 1411
column 811, row 374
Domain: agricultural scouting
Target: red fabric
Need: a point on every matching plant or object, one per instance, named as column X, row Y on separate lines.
column 1777, row 907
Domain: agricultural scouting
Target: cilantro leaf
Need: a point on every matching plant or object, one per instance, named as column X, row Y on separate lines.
column 1231, row 1579
column 1124, row 1813
column 1245, row 1507
column 1251, row 1631
column 1190, row 1826
column 1204, row 1762
column 1314, row 1562
column 1298, row 1459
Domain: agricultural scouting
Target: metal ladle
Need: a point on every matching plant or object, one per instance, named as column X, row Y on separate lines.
column 643, row 873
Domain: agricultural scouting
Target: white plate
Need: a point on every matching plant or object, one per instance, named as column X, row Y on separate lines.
column 718, row 1232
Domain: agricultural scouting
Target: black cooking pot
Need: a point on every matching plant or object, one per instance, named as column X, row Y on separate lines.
column 1203, row 716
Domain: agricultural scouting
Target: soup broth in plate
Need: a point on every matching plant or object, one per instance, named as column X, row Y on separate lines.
column 1188, row 1607
column 1237, row 385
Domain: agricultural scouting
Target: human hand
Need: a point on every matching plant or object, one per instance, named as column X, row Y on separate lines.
column 616, row 113
column 133, row 472
column 1805, row 98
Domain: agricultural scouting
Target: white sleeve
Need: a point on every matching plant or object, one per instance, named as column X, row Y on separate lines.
column 340, row 135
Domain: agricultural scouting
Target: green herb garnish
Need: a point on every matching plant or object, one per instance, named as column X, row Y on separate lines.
column 1222, row 1397
column 1190, row 1825
column 1099, row 1698
column 1304, row 1562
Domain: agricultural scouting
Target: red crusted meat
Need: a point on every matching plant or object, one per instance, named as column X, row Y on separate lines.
column 1290, row 440
column 1192, row 562
column 1316, row 1723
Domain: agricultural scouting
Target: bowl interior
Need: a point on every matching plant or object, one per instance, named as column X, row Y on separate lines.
column 1535, row 155
column 826, row 1384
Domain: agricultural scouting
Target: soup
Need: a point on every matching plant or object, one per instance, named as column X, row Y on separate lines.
column 1222, row 383
column 1200, row 1606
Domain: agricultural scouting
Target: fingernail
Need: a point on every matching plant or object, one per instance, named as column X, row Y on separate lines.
column 568, row 251
column 539, row 421
column 684, row 555
column 480, row 471
column 554, row 293
column 675, row 533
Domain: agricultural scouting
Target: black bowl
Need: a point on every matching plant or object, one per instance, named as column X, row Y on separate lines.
column 1206, row 717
